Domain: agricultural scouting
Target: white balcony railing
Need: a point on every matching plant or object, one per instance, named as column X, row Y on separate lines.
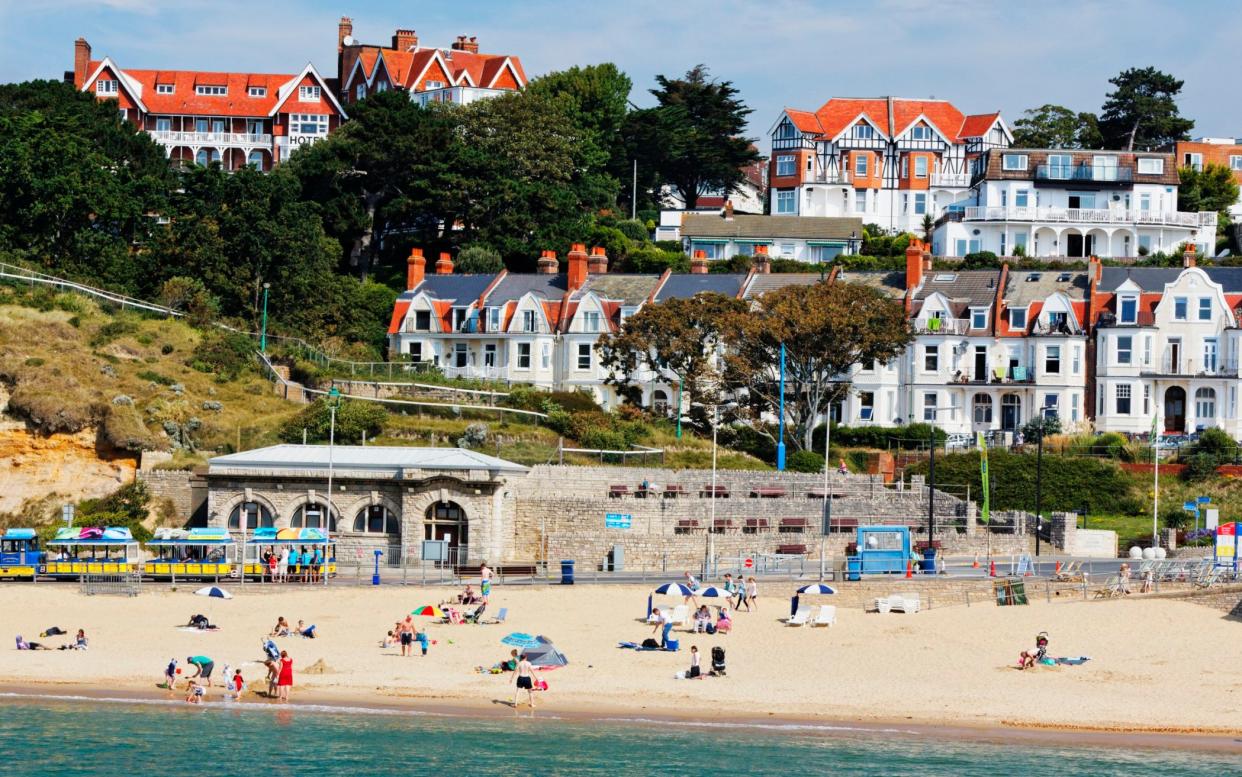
column 1091, row 216
column 838, row 177
column 170, row 138
column 950, row 179
column 477, row 372
column 946, row 326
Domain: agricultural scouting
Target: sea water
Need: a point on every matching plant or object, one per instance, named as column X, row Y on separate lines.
column 95, row 737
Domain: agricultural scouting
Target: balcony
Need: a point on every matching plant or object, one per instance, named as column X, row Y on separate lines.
column 841, row 177
column 942, row 326
column 1083, row 173
column 950, row 179
column 1090, row 216
column 476, row 372
column 1184, row 366
column 178, row 138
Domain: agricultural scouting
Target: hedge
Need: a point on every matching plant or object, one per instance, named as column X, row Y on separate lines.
column 911, row 436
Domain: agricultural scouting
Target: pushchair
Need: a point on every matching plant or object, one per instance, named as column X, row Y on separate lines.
column 718, row 661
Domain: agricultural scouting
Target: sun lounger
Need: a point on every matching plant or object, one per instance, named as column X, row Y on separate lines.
column 1111, row 589
column 500, row 617
column 879, row 604
column 799, row 618
column 826, row 616
column 904, row 603
column 1070, row 573
column 680, row 613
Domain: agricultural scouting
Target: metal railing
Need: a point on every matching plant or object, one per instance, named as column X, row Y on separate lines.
column 115, row 585
column 1184, row 365
column 1084, row 172
column 1088, row 215
column 947, row 326
column 219, row 138
column 950, row 179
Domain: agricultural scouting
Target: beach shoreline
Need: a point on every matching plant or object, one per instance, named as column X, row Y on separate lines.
column 1223, row 740
column 944, row 672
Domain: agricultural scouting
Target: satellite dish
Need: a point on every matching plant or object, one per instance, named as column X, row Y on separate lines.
column 349, row 40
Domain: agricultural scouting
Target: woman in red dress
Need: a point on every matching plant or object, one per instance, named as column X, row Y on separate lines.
column 285, row 681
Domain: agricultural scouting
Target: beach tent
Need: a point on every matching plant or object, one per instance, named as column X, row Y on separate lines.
column 814, row 589
column 544, row 655
column 675, row 589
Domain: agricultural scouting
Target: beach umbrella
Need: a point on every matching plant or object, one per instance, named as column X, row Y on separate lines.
column 213, row 591
column 793, row 605
column 428, row 611
column 520, row 640
column 677, row 589
column 816, row 588
column 712, row 592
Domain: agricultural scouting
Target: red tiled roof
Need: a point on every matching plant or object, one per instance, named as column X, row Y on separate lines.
column 368, row 57
column 943, row 115
column 837, row 114
column 977, row 126
column 841, row 112
column 805, row 121
column 398, row 315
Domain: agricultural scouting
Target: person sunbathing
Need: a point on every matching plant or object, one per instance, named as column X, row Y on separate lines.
column 281, row 629
column 200, row 622
column 306, row 631
column 24, row 645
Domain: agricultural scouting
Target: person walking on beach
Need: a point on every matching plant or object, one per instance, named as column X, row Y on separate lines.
column 237, row 683
column 485, row 584
column 285, row 681
column 739, row 589
column 202, row 668
column 752, row 594
column 692, row 583
column 524, row 679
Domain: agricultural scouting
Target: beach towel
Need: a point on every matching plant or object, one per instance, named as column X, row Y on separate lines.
column 644, row 647
column 1067, row 660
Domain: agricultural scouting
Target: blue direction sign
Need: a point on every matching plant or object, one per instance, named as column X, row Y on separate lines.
column 617, row 520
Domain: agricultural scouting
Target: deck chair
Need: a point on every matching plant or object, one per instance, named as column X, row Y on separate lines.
column 799, row 618
column 904, row 602
column 826, row 616
column 1111, row 589
column 879, row 604
column 680, row 613
column 1070, row 573
column 500, row 617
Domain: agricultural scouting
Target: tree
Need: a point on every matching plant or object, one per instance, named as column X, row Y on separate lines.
column 1141, row 112
column 929, row 227
column 478, row 259
column 596, row 99
column 1211, row 189
column 190, row 296
column 826, row 330
column 678, row 338
column 693, row 140
column 1054, row 126
column 354, row 418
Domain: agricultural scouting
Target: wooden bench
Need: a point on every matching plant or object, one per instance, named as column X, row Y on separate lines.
column 842, row 524
column 643, row 491
column 686, row 526
column 768, row 492
column 721, row 525
column 791, row 550
column 794, row 525
column 674, row 490
column 618, row 490
column 721, row 492
column 818, row 493
column 755, row 525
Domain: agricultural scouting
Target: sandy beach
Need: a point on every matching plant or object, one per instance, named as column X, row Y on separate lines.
column 1158, row 665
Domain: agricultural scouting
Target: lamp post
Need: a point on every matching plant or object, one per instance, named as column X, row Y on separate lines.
column 827, row 512
column 680, row 383
column 334, row 397
column 711, row 524
column 263, row 333
column 780, row 442
column 1039, row 476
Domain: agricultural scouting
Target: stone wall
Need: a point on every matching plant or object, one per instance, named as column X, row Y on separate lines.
column 186, row 491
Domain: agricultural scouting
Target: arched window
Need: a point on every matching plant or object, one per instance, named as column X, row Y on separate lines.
column 376, row 519
column 311, row 516
column 446, row 521
column 659, row 403
column 1205, row 403
column 206, row 156
column 256, row 514
column 983, row 409
column 255, row 160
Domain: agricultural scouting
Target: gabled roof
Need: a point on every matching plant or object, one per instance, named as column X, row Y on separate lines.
column 686, row 285
column 978, row 125
column 805, row 121
column 516, row 285
column 891, row 117
column 1154, row 279
column 628, row 289
column 464, row 289
column 762, row 283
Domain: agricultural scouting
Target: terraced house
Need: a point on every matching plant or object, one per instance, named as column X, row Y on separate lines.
column 888, row 160
column 235, row 119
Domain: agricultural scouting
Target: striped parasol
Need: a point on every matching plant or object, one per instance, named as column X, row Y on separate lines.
column 428, row 611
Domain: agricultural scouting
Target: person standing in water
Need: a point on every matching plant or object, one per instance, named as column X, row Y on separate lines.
column 524, row 678
column 285, row 681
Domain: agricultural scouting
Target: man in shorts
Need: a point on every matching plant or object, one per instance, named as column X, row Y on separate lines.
column 203, row 667
column 524, row 678
column 485, row 587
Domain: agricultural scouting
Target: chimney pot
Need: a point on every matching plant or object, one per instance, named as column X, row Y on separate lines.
column 444, row 265
column 597, row 264
column 547, row 264
column 698, row 264
column 577, row 266
column 415, row 268
column 1188, row 258
column 404, row 40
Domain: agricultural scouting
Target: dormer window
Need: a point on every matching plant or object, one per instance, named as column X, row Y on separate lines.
column 106, row 86
column 207, row 90
column 257, row 91
column 433, row 85
column 1013, row 162
column 1017, row 318
column 590, row 321
column 978, row 318
column 422, row 320
column 1150, row 166
column 921, row 132
column 308, row 94
column 493, row 319
column 165, row 88
column 1127, row 311
column 528, row 321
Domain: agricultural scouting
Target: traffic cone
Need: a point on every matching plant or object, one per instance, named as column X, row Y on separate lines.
column 1058, row 569
column 976, row 564
column 909, row 569
column 992, row 570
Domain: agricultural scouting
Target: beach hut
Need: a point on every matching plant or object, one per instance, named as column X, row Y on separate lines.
column 544, row 655
column 92, row 550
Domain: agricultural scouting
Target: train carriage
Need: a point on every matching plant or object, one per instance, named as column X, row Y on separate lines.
column 91, row 550
column 201, row 553
column 299, row 540
column 20, row 556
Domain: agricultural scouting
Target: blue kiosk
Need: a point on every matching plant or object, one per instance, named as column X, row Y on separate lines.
column 881, row 550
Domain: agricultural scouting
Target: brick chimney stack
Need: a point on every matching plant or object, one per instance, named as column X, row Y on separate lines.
column 344, row 29
column 444, row 265
column 415, row 268
column 698, row 264
column 763, row 264
column 470, row 44
column 914, row 264
column 577, row 266
column 404, row 40
column 1188, row 258
column 728, row 210
column 597, row 264
column 81, row 58
column 547, row 264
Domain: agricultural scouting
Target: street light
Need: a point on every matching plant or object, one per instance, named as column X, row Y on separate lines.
column 1039, row 477
column 334, row 398
column 263, row 334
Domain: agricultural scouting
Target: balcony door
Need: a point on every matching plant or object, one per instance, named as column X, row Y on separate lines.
column 981, row 362
column 1079, row 245
column 1011, row 412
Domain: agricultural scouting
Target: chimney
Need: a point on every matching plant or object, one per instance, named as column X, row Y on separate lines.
column 404, row 40
column 444, row 265
column 415, row 267
column 547, row 263
column 577, row 266
column 698, row 264
column 728, row 210
column 597, row 264
column 463, row 43
column 914, row 264
column 763, row 265
column 344, row 29
column 81, row 58
column 1188, row 258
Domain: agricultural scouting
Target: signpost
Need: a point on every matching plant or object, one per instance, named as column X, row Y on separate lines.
column 617, row 520
column 1227, row 545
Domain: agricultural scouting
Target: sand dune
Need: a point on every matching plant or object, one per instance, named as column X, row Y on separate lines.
column 1155, row 663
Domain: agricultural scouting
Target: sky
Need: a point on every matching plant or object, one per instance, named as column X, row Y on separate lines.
column 982, row 55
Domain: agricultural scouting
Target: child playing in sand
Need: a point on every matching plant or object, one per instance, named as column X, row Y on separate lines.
column 1028, row 659
column 194, row 693
column 237, row 683
column 170, row 674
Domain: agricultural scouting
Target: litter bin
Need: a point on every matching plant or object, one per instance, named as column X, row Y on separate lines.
column 929, row 560
column 567, row 572
column 853, row 568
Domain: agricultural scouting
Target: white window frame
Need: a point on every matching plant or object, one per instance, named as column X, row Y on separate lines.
column 930, row 400
column 866, row 405
column 211, row 90
column 529, row 322
column 1014, row 162
column 523, row 359
column 920, row 167
column 862, row 131
column 1127, row 351
column 1122, row 391
column 921, row 132
column 1181, row 308
column 107, row 86
column 978, row 318
column 256, row 91
column 1052, row 360
column 1017, row 318
column 920, row 203
column 861, row 162
column 165, row 88
column 786, row 164
column 1235, row 161
column 1121, row 307
column 591, row 321
column 931, row 358
column 1194, row 160
column 1205, row 309
column 584, row 356
column 1150, row 166
column 786, row 201
column 309, row 94
column 163, row 124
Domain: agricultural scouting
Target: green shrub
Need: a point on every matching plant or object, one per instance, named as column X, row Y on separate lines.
column 654, row 260
column 673, row 246
column 167, row 348
column 1199, row 466
column 980, row 260
column 478, row 258
column 127, row 506
column 634, row 229
column 529, row 398
column 155, row 377
column 805, row 461
column 226, row 354
column 910, row 437
column 612, row 240
column 34, row 361
column 112, row 330
column 353, row 417
column 190, row 295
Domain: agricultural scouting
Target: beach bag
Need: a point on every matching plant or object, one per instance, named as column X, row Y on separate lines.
column 650, row 642
column 711, row 628
column 541, row 684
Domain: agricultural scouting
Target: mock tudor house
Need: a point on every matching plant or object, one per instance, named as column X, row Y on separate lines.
column 888, row 161
column 1051, row 202
column 235, row 119
column 456, row 74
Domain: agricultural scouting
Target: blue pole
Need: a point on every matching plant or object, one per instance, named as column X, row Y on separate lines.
column 780, row 443
column 263, row 336
column 375, row 578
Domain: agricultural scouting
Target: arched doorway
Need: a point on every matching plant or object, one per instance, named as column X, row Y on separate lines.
column 659, row 402
column 1011, row 412
column 1175, row 409
column 447, row 521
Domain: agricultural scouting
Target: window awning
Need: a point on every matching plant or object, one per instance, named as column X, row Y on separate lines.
column 716, row 240
column 841, row 243
column 749, row 241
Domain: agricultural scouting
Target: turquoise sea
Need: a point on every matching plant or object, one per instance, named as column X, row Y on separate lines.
column 110, row 738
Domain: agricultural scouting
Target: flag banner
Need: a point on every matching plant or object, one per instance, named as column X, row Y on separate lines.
column 983, row 475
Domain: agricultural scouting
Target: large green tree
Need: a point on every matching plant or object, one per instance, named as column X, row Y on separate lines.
column 596, row 100
column 1055, row 126
column 1211, row 189
column 1141, row 111
column 826, row 329
column 694, row 139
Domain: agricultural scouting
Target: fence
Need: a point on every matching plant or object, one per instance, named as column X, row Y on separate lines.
column 114, row 585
